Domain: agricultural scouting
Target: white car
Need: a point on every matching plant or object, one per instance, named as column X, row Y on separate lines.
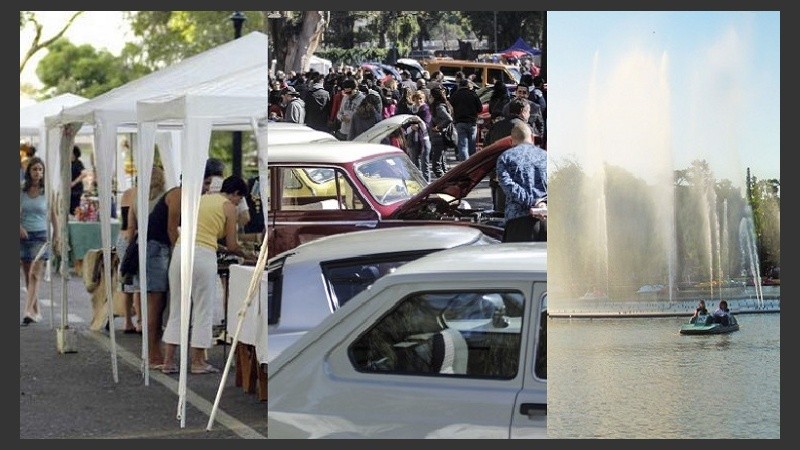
column 451, row 345
column 306, row 284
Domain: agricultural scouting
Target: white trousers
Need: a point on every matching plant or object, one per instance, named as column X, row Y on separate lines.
column 204, row 278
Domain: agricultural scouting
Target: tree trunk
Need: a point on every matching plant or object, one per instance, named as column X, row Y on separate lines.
column 304, row 42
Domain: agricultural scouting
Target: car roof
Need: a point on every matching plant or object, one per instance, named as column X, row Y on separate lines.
column 287, row 136
column 287, row 126
column 338, row 152
column 505, row 257
column 382, row 240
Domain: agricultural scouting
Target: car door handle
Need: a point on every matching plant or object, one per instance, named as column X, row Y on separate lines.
column 533, row 409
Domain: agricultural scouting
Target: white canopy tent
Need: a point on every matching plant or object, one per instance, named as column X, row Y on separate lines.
column 236, row 101
column 320, row 65
column 117, row 108
column 31, row 117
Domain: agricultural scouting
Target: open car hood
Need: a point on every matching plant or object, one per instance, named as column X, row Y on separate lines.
column 385, row 127
column 456, row 183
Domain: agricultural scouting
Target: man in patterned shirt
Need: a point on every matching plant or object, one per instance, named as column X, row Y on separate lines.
column 522, row 174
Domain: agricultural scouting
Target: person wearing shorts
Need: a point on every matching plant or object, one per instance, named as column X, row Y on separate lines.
column 33, row 246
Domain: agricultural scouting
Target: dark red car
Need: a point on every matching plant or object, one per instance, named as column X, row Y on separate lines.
column 321, row 189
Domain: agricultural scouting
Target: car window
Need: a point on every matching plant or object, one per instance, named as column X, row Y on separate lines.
column 390, row 178
column 449, row 70
column 514, row 73
column 345, row 279
column 493, row 75
column 274, row 290
column 464, row 333
column 477, row 71
column 310, row 188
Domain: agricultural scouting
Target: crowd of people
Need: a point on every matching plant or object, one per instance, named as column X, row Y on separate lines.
column 349, row 101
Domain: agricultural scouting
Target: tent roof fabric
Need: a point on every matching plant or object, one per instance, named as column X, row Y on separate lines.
column 521, row 45
column 31, row 118
column 231, row 101
column 119, row 104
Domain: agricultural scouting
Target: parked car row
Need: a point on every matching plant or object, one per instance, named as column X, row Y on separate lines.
column 450, row 345
column 393, row 311
column 311, row 281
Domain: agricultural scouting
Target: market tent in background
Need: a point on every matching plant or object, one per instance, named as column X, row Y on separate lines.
column 521, row 49
column 116, row 109
column 521, row 46
column 31, row 118
column 320, row 65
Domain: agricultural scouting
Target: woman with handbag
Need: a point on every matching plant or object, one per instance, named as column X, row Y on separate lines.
column 442, row 122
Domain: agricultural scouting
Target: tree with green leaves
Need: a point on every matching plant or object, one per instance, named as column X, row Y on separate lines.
column 765, row 202
column 170, row 36
column 86, row 71
column 528, row 25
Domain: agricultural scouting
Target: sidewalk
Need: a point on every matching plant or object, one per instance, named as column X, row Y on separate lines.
column 73, row 395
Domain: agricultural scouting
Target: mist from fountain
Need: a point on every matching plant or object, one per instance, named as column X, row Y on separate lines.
column 635, row 215
column 750, row 260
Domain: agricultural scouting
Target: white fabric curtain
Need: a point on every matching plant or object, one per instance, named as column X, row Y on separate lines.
column 169, row 144
column 196, row 137
column 144, row 161
column 105, row 142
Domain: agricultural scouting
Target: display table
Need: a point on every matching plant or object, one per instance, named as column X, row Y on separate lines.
column 84, row 236
column 251, row 349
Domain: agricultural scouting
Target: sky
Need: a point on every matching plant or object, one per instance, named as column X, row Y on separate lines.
column 100, row 29
column 645, row 90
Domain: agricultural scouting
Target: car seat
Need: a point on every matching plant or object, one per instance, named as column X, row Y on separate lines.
column 450, row 352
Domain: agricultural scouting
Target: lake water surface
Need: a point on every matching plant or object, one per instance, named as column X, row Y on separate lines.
column 639, row 378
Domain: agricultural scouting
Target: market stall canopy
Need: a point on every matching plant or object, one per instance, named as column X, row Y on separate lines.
column 116, row 109
column 31, row 117
column 521, row 46
column 320, row 65
column 119, row 104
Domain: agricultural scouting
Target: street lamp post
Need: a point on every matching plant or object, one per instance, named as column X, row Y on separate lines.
column 237, row 18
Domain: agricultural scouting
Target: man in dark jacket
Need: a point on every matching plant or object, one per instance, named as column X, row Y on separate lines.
column 535, row 118
column 318, row 104
column 466, row 107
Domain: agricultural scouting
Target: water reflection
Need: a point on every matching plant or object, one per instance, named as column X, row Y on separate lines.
column 639, row 378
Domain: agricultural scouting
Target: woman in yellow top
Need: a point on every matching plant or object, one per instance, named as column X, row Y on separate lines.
column 216, row 219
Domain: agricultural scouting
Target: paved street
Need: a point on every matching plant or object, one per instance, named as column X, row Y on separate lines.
column 73, row 395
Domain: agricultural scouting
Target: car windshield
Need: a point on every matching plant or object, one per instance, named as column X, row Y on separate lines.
column 390, row 178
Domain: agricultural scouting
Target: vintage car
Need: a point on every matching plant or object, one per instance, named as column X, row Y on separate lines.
column 450, row 345
column 309, row 282
column 323, row 188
